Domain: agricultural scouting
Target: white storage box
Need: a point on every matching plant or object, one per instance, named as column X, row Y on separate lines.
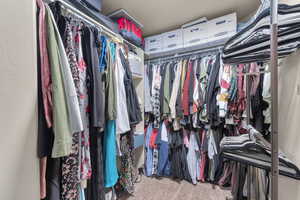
column 222, row 27
column 154, row 44
column 172, row 40
column 195, row 35
column 198, row 21
column 136, row 64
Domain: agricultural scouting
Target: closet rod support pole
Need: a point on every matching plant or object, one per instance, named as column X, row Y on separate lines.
column 274, row 93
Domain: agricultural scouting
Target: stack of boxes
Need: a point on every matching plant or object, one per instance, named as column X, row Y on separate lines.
column 130, row 31
column 193, row 34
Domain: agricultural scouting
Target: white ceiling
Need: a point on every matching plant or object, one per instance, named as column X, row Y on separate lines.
column 163, row 15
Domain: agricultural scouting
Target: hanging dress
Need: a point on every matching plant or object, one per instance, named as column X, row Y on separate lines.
column 70, row 164
column 109, row 148
column 85, row 158
column 110, row 161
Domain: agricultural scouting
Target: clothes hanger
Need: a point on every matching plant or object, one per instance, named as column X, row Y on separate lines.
column 256, row 151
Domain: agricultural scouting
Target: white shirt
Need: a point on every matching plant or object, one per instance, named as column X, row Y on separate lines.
column 175, row 90
column 122, row 120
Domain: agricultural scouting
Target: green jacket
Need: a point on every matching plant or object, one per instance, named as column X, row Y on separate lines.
column 111, row 106
column 62, row 134
column 166, row 98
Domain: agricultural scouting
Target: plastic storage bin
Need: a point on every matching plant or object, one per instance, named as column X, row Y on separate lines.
column 195, row 35
column 172, row 40
column 222, row 27
column 154, row 44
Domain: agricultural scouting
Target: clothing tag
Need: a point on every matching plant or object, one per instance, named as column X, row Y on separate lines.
column 229, row 121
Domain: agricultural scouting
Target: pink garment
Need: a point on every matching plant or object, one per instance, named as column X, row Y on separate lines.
column 45, row 66
column 185, row 138
column 203, row 163
column 46, row 88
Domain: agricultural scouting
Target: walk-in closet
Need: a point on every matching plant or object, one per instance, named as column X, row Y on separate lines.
column 150, row 100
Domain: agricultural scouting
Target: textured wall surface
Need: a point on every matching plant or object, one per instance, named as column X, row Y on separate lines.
column 18, row 113
column 289, row 116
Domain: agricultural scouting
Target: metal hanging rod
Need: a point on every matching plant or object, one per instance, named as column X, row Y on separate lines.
column 130, row 44
column 274, row 100
column 91, row 21
column 189, row 53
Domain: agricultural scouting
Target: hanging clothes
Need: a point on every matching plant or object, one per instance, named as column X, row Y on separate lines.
column 122, row 120
column 186, row 90
column 63, row 139
column 71, row 164
column 175, row 89
column 95, row 86
column 203, row 82
column 149, row 151
column 95, row 78
column 212, row 91
column 155, row 95
column 179, row 166
column 196, row 93
column 71, row 55
column 109, row 152
column 226, row 76
column 109, row 148
column 162, row 141
column 178, row 107
column 127, row 169
column 147, row 93
column 44, row 64
column 45, row 134
column 53, row 178
column 85, row 167
column 133, row 105
column 103, row 57
column 166, row 88
column 111, row 98
column 193, row 157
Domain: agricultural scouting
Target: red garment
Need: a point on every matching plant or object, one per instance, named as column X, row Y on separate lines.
column 45, row 66
column 153, row 138
column 185, row 96
column 203, row 163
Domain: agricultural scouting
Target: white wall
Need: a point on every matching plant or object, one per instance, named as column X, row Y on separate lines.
column 18, row 111
column 18, row 101
column 289, row 118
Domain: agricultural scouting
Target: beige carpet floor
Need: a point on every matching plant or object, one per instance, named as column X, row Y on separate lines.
column 167, row 189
